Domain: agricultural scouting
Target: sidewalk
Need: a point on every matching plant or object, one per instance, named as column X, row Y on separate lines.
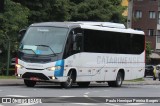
column 146, row 82
column 14, row 82
column 11, row 82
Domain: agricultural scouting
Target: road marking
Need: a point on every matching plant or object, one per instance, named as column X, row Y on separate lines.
column 96, row 91
column 135, row 104
column 26, row 104
column 67, row 96
column 112, row 104
column 16, row 96
column 1, row 105
column 106, row 90
column 103, row 96
column 86, row 104
column 85, row 95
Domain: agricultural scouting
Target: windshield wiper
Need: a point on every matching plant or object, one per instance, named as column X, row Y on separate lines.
column 30, row 50
column 48, row 47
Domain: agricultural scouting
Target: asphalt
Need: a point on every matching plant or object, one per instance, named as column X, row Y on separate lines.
column 147, row 81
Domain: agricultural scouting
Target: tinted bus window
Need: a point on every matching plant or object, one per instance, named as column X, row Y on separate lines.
column 113, row 42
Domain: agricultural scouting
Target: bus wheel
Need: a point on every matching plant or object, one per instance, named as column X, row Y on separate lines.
column 83, row 84
column 29, row 83
column 118, row 81
column 69, row 82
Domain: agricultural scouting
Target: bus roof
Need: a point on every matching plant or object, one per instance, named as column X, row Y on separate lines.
column 57, row 24
column 132, row 31
column 103, row 26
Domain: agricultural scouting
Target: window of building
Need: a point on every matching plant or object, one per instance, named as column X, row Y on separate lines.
column 158, row 3
column 151, row 32
column 158, row 39
column 159, row 17
column 158, row 36
column 138, row 14
column 152, row 15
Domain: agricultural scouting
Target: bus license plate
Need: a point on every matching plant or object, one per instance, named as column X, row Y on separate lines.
column 34, row 78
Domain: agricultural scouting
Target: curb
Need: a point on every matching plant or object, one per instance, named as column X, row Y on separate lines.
column 140, row 83
column 11, row 82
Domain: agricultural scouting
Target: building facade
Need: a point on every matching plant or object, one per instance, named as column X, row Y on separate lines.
column 146, row 16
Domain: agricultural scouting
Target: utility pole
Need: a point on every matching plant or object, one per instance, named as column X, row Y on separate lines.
column 8, row 55
column 130, row 12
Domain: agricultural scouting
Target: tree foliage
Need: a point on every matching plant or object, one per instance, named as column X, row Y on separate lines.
column 74, row 10
column 98, row 10
column 47, row 10
column 14, row 17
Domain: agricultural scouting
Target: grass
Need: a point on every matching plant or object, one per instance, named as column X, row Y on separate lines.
column 136, row 80
column 7, row 77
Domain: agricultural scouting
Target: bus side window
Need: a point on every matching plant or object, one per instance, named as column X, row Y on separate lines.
column 77, row 45
column 69, row 47
column 74, row 43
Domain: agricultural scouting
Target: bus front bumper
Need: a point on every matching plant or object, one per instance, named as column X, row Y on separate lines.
column 40, row 77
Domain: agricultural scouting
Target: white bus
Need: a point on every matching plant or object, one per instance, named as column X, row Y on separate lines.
column 80, row 52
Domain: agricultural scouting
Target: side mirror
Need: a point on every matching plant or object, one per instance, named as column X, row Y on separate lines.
column 21, row 34
column 74, row 37
column 77, row 36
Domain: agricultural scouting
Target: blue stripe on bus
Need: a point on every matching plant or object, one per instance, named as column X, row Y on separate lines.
column 59, row 73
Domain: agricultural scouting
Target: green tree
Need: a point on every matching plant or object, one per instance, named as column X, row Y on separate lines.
column 74, row 10
column 98, row 10
column 14, row 17
column 47, row 10
column 39, row 9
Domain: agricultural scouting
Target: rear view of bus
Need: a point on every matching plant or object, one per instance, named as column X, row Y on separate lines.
column 80, row 52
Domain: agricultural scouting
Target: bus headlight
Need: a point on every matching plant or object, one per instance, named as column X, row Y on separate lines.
column 54, row 68
column 19, row 66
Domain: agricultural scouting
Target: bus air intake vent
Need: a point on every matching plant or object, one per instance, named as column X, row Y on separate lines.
column 38, row 75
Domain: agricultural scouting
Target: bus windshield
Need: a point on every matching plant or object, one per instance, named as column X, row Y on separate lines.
column 43, row 40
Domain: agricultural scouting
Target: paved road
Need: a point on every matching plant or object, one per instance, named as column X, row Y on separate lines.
column 147, row 81
column 94, row 90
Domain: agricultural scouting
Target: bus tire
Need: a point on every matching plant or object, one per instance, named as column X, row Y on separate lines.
column 29, row 83
column 83, row 84
column 69, row 82
column 118, row 81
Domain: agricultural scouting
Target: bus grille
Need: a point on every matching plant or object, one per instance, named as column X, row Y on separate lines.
column 37, row 75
